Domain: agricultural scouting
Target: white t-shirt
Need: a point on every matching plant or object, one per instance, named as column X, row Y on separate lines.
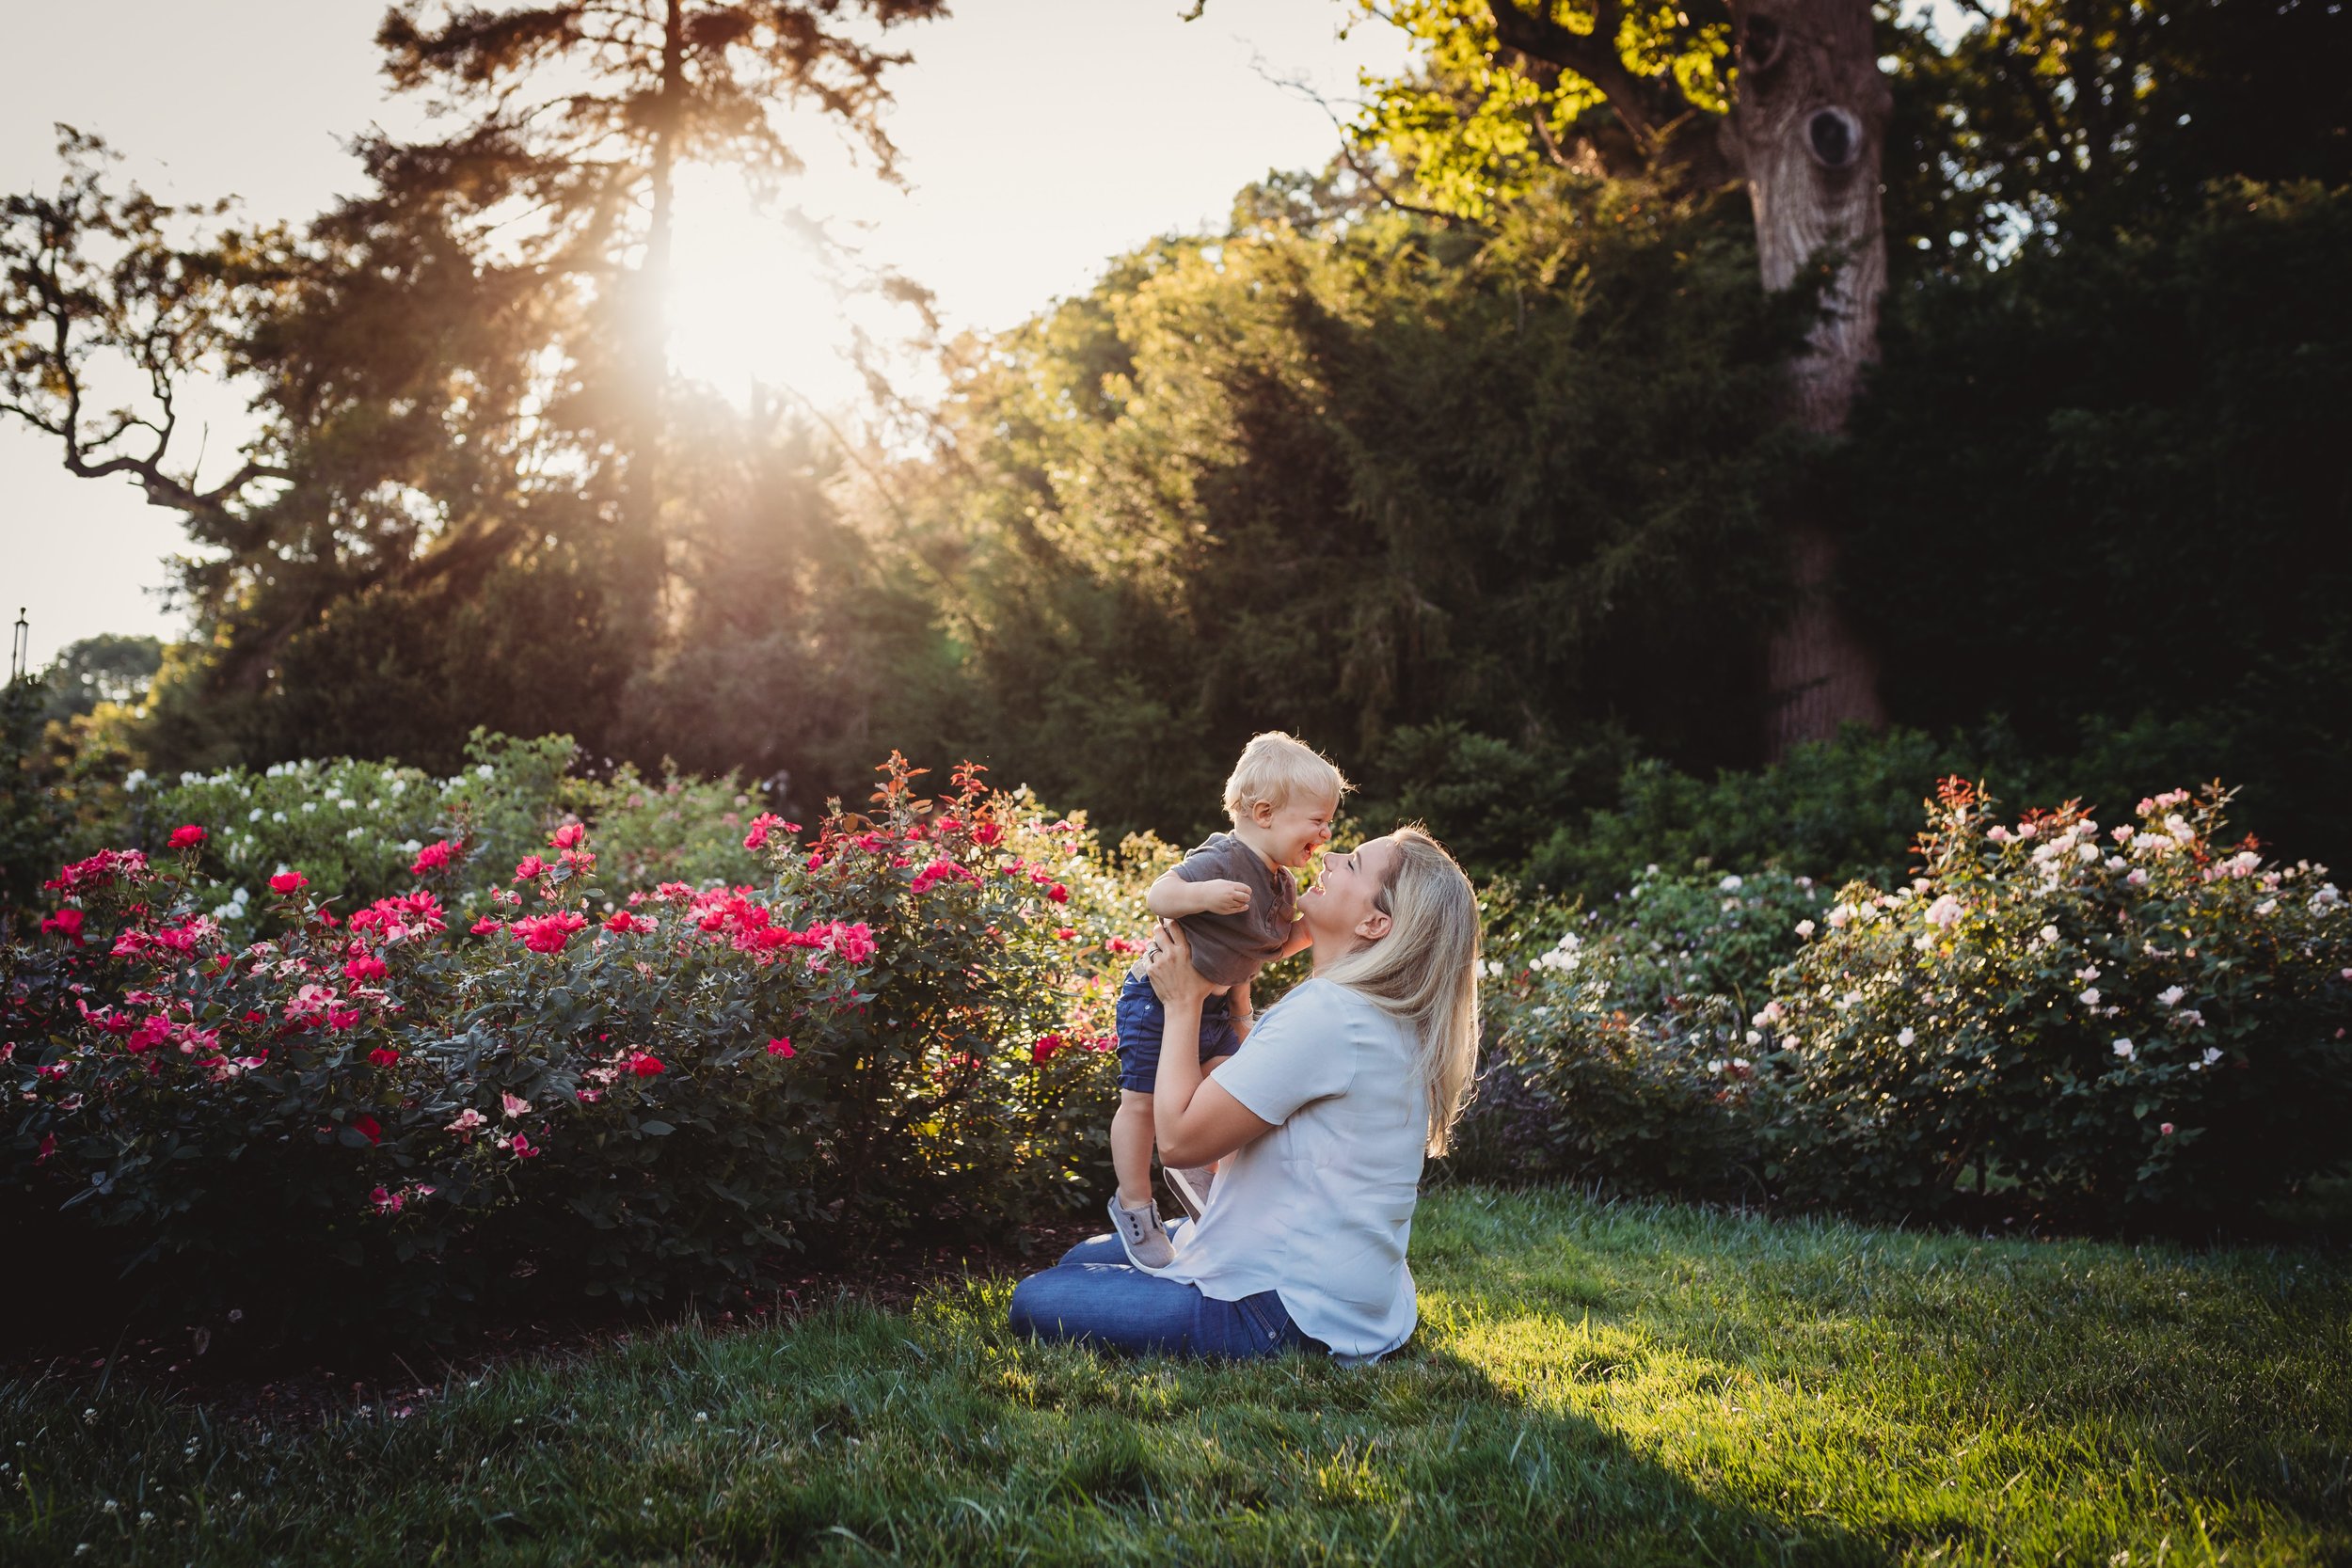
column 1320, row 1208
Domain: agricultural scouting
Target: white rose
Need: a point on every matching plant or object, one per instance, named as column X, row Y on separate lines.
column 2125, row 1049
column 1907, row 1037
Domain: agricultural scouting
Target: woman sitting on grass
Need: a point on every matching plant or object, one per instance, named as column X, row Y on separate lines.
column 1321, row 1121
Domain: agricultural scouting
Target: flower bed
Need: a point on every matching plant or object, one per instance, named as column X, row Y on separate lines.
column 2148, row 1020
column 1620, row 1051
column 2098, row 1027
column 641, row 1093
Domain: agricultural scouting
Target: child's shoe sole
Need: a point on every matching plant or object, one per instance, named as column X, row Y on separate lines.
column 1191, row 1186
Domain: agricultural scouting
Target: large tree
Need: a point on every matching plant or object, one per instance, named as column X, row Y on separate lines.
column 574, row 121
column 2041, row 119
column 1784, row 95
column 459, row 372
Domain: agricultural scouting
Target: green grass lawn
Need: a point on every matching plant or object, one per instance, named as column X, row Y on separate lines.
column 1591, row 1384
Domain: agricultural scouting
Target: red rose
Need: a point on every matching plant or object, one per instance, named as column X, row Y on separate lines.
column 1059, row 894
column 781, row 1048
column 66, row 923
column 365, row 967
column 529, row 867
column 433, row 857
column 187, row 836
column 369, row 1127
column 547, row 933
column 289, row 881
column 643, row 1066
column 568, row 836
column 383, row 1056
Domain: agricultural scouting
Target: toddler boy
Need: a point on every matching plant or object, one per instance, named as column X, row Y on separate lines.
column 1238, row 904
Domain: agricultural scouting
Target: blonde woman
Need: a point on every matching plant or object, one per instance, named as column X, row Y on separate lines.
column 1320, row 1122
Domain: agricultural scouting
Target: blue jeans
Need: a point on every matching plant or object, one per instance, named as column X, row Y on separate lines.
column 1142, row 1019
column 1095, row 1296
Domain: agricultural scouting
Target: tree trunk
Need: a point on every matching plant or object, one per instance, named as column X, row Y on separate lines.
column 1808, row 129
column 643, row 558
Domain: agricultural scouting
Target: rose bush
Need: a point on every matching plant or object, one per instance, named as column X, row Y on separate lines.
column 356, row 828
column 2142, row 1021
column 402, row 1107
column 1620, row 1051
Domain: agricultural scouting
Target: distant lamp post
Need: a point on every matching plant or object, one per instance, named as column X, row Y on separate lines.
column 19, row 665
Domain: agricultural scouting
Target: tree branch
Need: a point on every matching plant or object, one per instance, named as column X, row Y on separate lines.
column 1592, row 55
column 1371, row 179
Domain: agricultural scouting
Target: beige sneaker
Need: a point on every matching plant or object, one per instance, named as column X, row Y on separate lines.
column 1191, row 1185
column 1141, row 1233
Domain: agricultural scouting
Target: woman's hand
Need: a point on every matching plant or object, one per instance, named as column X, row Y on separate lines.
column 1168, row 964
column 1193, row 1118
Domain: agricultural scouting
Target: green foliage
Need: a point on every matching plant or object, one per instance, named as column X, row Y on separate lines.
column 1621, row 1053
column 2135, row 1025
column 1831, row 810
column 1344, row 475
column 2132, row 536
column 354, row 828
column 1477, row 128
column 2143, row 1028
column 905, row 1027
column 32, row 820
column 103, row 669
column 2049, row 123
column 1486, row 800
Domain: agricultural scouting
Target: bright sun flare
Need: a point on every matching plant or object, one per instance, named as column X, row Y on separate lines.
column 751, row 300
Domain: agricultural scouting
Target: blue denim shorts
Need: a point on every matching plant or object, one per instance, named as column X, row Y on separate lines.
column 1142, row 1016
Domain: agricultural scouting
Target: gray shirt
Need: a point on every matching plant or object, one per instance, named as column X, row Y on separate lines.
column 1228, row 949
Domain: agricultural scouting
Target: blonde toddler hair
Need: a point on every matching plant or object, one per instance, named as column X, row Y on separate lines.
column 1276, row 768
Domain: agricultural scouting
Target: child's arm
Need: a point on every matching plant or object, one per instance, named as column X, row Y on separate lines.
column 1172, row 898
column 1298, row 941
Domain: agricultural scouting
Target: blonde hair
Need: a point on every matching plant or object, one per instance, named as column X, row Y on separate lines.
column 1274, row 767
column 1425, row 970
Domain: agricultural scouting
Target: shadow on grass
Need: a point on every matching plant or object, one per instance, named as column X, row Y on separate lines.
column 1591, row 1384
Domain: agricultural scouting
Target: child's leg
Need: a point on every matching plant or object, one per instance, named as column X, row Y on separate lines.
column 1131, row 1147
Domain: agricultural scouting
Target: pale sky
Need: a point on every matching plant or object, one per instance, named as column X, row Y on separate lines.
column 1040, row 136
